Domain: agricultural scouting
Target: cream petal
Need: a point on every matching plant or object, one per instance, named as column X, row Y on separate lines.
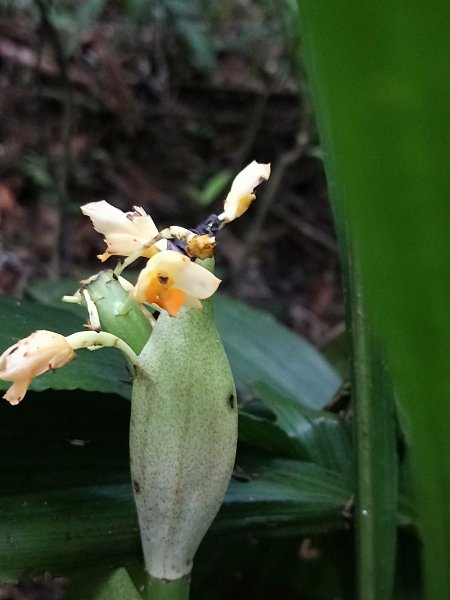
column 143, row 224
column 17, row 391
column 194, row 280
column 192, row 302
column 122, row 244
column 107, row 218
column 34, row 355
column 242, row 188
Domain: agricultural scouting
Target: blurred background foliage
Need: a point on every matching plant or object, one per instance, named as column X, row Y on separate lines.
column 160, row 104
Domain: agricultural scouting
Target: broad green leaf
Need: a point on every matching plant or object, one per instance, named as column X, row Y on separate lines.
column 320, row 437
column 267, row 436
column 67, row 529
column 66, row 499
column 101, row 370
column 285, row 492
column 117, row 586
column 379, row 73
column 260, row 349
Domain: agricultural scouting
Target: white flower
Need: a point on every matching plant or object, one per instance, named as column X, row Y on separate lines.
column 39, row 352
column 171, row 281
column 241, row 193
column 125, row 232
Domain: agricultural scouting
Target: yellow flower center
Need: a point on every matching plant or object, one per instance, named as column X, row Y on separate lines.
column 160, row 291
column 243, row 204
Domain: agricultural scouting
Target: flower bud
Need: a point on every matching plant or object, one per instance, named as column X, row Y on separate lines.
column 182, row 439
column 241, row 193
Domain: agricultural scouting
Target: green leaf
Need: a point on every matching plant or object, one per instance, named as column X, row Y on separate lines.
column 265, row 435
column 381, row 91
column 212, row 188
column 320, row 437
column 260, row 349
column 302, row 496
column 66, row 498
column 117, row 586
column 100, row 371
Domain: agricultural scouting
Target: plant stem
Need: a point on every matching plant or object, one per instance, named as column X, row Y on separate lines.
column 161, row 589
column 101, row 339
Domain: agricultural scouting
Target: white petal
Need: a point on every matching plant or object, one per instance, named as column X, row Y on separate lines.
column 194, row 280
column 107, row 218
column 241, row 192
column 122, row 244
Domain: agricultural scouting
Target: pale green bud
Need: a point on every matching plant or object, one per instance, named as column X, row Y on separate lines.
column 183, row 437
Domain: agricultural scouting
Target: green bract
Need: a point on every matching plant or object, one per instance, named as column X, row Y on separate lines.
column 182, row 439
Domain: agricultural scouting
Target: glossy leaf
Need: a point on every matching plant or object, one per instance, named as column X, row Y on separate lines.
column 320, row 437
column 260, row 349
column 117, row 586
column 66, row 499
column 379, row 78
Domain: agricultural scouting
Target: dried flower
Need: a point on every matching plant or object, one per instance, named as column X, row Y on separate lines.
column 39, row 352
column 125, row 232
column 171, row 281
column 241, row 193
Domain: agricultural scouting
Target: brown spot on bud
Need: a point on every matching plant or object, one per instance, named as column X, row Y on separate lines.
column 136, row 486
column 163, row 278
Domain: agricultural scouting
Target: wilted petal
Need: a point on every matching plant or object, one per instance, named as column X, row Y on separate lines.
column 39, row 352
column 15, row 393
column 241, row 193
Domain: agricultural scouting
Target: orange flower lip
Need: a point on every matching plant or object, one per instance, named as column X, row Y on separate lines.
column 160, row 291
column 171, row 280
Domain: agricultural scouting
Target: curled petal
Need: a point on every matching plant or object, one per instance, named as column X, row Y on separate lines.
column 241, row 193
